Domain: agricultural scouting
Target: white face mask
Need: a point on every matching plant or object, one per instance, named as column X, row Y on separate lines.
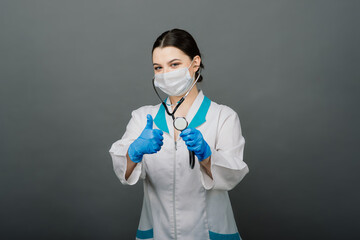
column 175, row 83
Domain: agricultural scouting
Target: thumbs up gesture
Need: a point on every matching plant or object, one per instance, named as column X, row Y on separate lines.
column 149, row 142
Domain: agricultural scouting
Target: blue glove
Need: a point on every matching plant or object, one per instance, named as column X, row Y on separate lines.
column 149, row 141
column 196, row 143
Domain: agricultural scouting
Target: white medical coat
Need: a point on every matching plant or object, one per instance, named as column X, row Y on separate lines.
column 180, row 202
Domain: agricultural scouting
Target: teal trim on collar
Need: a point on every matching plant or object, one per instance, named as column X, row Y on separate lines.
column 160, row 119
column 199, row 118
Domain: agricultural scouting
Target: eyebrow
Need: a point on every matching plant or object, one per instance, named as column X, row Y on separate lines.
column 169, row 61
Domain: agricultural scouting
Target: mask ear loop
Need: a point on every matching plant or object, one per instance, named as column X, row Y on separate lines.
column 190, row 64
column 193, row 84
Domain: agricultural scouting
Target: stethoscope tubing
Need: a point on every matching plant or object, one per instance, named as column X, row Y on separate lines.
column 191, row 153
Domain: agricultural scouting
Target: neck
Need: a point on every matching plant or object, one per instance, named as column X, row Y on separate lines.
column 185, row 106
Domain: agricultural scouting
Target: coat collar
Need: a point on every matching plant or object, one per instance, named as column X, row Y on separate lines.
column 196, row 115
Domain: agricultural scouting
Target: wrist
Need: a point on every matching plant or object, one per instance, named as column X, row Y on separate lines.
column 206, row 154
column 134, row 155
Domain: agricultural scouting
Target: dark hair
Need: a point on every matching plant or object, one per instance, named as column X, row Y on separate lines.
column 182, row 40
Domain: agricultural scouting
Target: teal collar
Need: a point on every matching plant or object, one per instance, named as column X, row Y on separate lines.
column 198, row 119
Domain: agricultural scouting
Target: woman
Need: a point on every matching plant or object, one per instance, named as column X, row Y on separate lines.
column 181, row 202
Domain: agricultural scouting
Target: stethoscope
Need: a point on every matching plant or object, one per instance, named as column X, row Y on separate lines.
column 179, row 123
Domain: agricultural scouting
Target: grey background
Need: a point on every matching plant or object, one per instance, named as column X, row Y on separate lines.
column 72, row 72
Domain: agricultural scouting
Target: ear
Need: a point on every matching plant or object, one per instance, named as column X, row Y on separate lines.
column 197, row 61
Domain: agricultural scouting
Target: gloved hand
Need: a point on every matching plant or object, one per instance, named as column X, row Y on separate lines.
column 196, row 143
column 149, row 141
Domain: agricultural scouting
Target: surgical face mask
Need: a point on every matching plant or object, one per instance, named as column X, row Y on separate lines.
column 174, row 83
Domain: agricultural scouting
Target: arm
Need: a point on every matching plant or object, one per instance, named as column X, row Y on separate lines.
column 127, row 153
column 126, row 170
column 130, row 166
column 225, row 168
column 206, row 165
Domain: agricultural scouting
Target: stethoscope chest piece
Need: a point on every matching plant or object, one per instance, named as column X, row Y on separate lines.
column 180, row 123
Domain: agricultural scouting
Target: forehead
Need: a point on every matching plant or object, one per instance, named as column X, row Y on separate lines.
column 163, row 55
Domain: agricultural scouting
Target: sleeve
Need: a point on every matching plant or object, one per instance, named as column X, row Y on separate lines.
column 227, row 165
column 119, row 150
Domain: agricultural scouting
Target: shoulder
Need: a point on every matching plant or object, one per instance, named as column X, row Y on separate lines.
column 145, row 110
column 226, row 117
column 223, row 111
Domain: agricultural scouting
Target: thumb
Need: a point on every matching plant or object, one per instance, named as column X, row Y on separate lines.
column 149, row 123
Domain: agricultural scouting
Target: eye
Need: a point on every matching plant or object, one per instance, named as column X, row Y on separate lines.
column 175, row 64
column 157, row 68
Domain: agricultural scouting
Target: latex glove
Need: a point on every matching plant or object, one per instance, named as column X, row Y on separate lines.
column 196, row 143
column 149, row 142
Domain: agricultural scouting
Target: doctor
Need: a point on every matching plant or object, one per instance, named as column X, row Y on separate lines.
column 181, row 201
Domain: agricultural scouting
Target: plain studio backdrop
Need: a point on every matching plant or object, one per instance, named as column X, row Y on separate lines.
column 72, row 71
